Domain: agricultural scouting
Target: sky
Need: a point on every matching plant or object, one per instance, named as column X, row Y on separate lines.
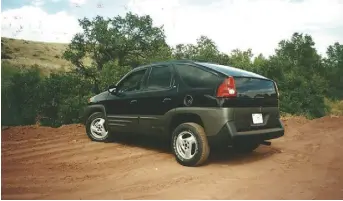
column 256, row 24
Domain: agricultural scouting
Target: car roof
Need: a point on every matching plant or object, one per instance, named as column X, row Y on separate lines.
column 226, row 70
column 162, row 63
column 230, row 71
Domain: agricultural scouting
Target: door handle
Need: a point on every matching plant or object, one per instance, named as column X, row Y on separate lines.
column 166, row 99
column 133, row 101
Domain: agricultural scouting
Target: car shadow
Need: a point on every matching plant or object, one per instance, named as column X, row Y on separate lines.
column 222, row 156
column 155, row 143
column 226, row 156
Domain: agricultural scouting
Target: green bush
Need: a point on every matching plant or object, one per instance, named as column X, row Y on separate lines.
column 27, row 97
column 19, row 91
column 62, row 97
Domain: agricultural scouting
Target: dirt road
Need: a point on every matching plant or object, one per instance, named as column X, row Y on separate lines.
column 62, row 163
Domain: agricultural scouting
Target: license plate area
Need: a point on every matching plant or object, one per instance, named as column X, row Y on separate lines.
column 257, row 118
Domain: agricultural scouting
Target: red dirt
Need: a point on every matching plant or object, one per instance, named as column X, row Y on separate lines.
column 62, row 163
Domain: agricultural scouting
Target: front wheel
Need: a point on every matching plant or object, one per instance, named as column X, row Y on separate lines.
column 190, row 145
column 96, row 128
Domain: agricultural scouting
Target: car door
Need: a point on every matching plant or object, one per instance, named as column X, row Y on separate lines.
column 158, row 96
column 121, row 108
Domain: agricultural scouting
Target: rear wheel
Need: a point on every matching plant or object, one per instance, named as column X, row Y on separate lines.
column 96, row 128
column 190, row 145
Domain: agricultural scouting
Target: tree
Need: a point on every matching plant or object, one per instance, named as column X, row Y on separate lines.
column 334, row 70
column 129, row 40
column 298, row 68
column 241, row 59
column 259, row 64
column 205, row 49
column 182, row 51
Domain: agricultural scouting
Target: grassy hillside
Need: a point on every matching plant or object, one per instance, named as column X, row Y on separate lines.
column 47, row 56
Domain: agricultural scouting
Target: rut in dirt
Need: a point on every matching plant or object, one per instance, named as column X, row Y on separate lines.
column 62, row 163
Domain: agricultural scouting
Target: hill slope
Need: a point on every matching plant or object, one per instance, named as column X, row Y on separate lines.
column 47, row 56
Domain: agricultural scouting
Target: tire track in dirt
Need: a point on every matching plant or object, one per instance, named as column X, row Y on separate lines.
column 129, row 182
column 65, row 164
column 27, row 144
column 48, row 152
column 33, row 148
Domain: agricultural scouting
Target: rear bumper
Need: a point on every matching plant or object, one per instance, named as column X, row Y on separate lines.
column 264, row 134
column 228, row 134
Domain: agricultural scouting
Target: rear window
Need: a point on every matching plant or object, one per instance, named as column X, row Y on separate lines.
column 254, row 87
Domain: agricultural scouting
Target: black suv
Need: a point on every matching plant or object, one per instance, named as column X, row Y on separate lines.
column 195, row 104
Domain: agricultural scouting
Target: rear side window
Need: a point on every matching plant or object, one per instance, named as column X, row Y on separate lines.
column 196, row 77
column 160, row 78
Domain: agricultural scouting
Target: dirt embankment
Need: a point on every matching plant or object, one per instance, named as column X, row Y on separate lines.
column 62, row 163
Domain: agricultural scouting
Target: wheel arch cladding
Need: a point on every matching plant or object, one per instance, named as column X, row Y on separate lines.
column 90, row 109
column 213, row 119
column 180, row 118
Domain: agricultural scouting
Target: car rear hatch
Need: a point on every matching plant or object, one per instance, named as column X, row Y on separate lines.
column 256, row 104
column 253, row 98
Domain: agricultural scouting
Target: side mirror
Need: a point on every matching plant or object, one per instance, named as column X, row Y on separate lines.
column 112, row 89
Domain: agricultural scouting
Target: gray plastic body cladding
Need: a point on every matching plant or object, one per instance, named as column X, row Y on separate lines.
column 89, row 109
column 219, row 123
column 224, row 125
column 258, row 134
column 212, row 118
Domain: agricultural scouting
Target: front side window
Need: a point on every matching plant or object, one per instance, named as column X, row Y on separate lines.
column 132, row 82
column 160, row 78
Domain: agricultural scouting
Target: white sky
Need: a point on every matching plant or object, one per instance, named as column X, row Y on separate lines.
column 256, row 24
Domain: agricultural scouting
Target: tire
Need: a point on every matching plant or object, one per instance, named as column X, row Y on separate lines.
column 245, row 146
column 97, row 117
column 196, row 138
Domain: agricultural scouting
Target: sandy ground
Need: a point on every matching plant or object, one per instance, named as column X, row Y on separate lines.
column 62, row 163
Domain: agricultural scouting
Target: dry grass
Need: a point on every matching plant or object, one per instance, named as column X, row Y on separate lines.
column 47, row 56
column 28, row 53
column 336, row 107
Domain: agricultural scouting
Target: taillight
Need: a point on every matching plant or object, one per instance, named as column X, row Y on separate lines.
column 227, row 88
